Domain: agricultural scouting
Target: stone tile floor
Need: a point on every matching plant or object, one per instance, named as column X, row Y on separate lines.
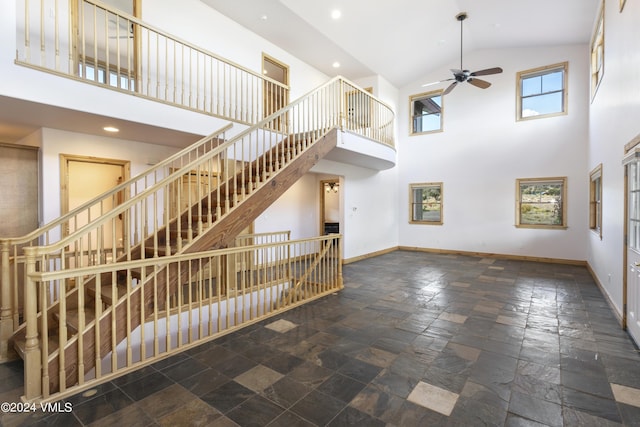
column 414, row 339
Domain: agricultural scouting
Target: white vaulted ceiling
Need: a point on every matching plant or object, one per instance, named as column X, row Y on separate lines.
column 402, row 40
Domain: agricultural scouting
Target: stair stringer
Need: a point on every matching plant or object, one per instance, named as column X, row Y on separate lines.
column 219, row 235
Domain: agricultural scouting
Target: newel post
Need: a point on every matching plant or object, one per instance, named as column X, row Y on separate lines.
column 32, row 351
column 6, row 308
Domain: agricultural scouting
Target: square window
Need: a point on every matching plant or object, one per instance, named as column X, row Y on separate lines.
column 595, row 200
column 541, row 203
column 426, row 112
column 425, row 203
column 542, row 92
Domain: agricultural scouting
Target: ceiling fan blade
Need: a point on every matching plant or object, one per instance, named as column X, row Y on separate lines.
column 482, row 84
column 488, row 71
column 450, row 88
column 435, row 83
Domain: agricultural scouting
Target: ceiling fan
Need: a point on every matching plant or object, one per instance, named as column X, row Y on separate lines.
column 461, row 75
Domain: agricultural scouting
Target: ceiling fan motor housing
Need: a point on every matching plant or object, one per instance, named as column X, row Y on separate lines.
column 463, row 76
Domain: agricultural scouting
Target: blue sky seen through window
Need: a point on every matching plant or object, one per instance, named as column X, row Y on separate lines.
column 542, row 94
column 427, row 114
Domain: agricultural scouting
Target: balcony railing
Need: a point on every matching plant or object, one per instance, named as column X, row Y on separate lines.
column 91, row 41
column 95, row 43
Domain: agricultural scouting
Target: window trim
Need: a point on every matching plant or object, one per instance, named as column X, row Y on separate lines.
column 597, row 44
column 431, row 94
column 595, row 206
column 549, row 180
column 411, row 203
column 547, row 69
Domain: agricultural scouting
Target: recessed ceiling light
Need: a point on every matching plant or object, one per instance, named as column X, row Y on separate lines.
column 336, row 14
column 111, row 129
column 264, row 17
column 336, row 64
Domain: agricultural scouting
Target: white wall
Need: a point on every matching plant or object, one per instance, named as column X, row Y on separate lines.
column 369, row 220
column 297, row 210
column 613, row 122
column 483, row 150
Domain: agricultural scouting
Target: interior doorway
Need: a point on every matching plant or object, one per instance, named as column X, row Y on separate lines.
column 84, row 178
column 330, row 197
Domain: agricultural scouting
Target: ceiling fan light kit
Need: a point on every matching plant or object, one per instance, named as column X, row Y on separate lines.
column 461, row 75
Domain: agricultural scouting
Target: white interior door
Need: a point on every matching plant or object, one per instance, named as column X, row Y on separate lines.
column 633, row 250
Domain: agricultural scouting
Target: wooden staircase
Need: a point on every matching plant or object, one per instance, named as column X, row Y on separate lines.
column 82, row 298
column 132, row 306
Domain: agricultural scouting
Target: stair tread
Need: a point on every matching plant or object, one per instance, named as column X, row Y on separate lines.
column 73, row 318
column 106, row 292
column 19, row 343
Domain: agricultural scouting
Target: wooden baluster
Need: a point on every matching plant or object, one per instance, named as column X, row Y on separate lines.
column 32, row 356
column 6, row 311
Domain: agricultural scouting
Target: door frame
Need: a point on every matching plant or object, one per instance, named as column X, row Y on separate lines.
column 125, row 166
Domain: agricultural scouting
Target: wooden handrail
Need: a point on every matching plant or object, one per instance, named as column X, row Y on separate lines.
column 265, row 125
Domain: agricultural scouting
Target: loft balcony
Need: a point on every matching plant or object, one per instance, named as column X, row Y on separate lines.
column 95, row 44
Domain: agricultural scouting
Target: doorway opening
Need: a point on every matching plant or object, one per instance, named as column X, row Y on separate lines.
column 84, row 178
column 330, row 198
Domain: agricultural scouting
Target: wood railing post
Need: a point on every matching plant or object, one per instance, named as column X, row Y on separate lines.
column 339, row 261
column 6, row 309
column 32, row 356
column 342, row 114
